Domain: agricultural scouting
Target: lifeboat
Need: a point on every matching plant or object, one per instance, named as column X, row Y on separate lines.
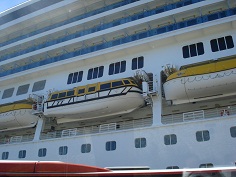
column 202, row 81
column 94, row 100
column 16, row 116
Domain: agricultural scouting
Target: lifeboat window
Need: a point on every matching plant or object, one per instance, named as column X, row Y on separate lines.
column 117, row 83
column 62, row 95
column 7, row 93
column 91, row 89
column 70, row 93
column 105, row 86
column 54, row 96
column 126, row 82
column 81, row 91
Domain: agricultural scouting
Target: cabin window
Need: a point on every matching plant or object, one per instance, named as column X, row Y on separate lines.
column 40, row 85
column 117, row 83
column 118, row 67
column 222, row 43
column 42, row 152
column 193, row 50
column 233, row 132
column 85, row 148
column 94, row 73
column 137, row 63
column 63, row 150
column 126, row 82
column 70, row 93
column 105, row 86
column 75, row 77
column 92, row 89
column 140, row 143
column 62, row 95
column 54, row 96
column 172, row 167
column 5, row 155
column 7, row 93
column 81, row 91
column 202, row 135
column 170, row 139
column 206, row 165
column 110, row 145
column 22, row 154
column 23, row 89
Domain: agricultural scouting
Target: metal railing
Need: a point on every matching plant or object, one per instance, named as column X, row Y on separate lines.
column 199, row 114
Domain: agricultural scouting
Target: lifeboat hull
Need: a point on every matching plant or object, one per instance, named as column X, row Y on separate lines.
column 102, row 104
column 16, row 116
column 201, row 87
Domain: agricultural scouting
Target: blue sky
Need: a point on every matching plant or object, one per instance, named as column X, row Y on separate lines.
column 6, row 4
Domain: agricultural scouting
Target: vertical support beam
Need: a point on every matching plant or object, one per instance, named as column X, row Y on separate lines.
column 39, row 128
column 157, row 101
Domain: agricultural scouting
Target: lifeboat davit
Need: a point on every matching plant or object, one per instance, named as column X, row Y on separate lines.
column 16, row 116
column 204, row 81
column 95, row 100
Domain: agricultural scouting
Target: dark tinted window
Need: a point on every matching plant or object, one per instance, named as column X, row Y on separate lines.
column 54, row 96
column 62, row 95
column 70, row 93
column 105, row 86
column 7, row 93
column 80, row 91
column 117, row 83
column 91, row 89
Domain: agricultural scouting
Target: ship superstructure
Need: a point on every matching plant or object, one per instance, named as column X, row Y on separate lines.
column 119, row 83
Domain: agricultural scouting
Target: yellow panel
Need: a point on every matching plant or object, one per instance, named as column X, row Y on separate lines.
column 13, row 107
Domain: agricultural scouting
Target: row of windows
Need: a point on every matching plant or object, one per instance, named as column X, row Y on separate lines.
column 170, row 139
column 97, row 72
column 218, row 44
column 205, row 165
column 23, row 89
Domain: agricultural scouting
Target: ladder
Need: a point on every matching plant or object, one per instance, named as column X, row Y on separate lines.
column 37, row 106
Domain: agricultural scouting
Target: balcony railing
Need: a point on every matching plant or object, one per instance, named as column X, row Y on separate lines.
column 101, row 27
column 123, row 40
column 74, row 19
column 199, row 114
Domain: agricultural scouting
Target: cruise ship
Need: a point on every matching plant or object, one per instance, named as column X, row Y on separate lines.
column 119, row 83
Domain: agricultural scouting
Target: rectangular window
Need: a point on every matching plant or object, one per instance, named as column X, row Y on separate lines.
column 23, row 89
column 137, row 63
column 118, row 67
column 105, row 86
column 202, row 136
column 117, row 83
column 63, row 150
column 70, row 93
column 81, row 91
column 111, row 145
column 222, row 43
column 22, row 154
column 140, row 143
column 206, row 165
column 85, row 148
column 96, row 72
column 5, row 155
column 75, row 77
column 193, row 50
column 170, row 139
column 40, row 85
column 172, row 167
column 233, row 132
column 42, row 152
column 7, row 93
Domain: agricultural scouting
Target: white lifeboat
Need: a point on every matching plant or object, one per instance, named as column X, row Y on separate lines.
column 201, row 82
column 95, row 100
column 16, row 116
